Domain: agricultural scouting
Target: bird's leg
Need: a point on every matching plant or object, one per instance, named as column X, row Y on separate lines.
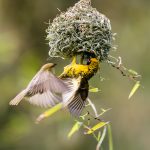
column 74, row 60
column 82, row 58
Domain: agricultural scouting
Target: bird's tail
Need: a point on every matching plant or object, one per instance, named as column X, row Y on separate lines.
column 18, row 98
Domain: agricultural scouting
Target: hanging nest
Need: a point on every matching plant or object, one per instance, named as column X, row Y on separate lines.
column 80, row 28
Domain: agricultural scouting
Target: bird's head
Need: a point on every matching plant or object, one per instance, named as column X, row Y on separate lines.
column 91, row 57
column 48, row 66
column 92, row 60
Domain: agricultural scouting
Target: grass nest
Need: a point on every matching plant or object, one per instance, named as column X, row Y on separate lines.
column 80, row 28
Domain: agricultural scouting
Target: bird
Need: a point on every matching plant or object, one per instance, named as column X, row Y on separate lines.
column 70, row 88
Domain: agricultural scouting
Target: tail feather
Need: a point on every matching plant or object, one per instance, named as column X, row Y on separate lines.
column 18, row 98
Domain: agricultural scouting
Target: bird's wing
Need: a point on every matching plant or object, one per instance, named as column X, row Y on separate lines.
column 44, row 90
column 46, row 80
column 75, row 98
column 76, row 105
column 73, row 85
column 50, row 90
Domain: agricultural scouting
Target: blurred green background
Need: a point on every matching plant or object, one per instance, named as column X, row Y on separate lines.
column 23, row 49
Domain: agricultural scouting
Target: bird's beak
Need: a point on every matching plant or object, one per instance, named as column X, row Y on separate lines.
column 52, row 68
column 54, row 65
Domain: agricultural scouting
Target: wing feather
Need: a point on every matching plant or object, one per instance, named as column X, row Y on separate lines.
column 73, row 86
column 76, row 105
column 74, row 99
column 45, row 89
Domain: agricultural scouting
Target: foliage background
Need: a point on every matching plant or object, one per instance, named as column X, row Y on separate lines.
column 23, row 50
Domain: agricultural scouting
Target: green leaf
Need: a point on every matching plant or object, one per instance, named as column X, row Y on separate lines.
column 110, row 137
column 49, row 112
column 134, row 89
column 75, row 128
column 133, row 72
column 96, row 127
column 94, row 90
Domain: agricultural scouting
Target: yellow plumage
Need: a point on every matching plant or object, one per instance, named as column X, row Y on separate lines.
column 75, row 70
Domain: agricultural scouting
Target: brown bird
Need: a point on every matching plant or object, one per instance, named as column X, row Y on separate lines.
column 70, row 88
column 45, row 89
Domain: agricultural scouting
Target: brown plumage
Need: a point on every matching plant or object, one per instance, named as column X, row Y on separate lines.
column 70, row 88
column 45, row 89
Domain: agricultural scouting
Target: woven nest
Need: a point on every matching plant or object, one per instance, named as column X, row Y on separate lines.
column 80, row 28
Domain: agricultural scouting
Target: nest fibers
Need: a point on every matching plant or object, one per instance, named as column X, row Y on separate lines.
column 80, row 28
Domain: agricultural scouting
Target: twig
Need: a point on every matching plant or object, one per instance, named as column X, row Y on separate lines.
column 124, row 71
column 93, row 107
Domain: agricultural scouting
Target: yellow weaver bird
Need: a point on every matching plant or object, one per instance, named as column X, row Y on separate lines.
column 70, row 88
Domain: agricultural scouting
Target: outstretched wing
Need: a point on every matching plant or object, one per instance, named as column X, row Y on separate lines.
column 44, row 90
column 75, row 98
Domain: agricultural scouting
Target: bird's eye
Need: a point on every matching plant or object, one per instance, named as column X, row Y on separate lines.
column 88, row 61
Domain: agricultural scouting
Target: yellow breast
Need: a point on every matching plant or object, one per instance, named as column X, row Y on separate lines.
column 85, row 71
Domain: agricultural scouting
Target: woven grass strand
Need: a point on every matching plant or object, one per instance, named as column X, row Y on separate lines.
column 80, row 28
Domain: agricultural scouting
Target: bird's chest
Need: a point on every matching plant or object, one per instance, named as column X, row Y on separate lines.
column 76, row 71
